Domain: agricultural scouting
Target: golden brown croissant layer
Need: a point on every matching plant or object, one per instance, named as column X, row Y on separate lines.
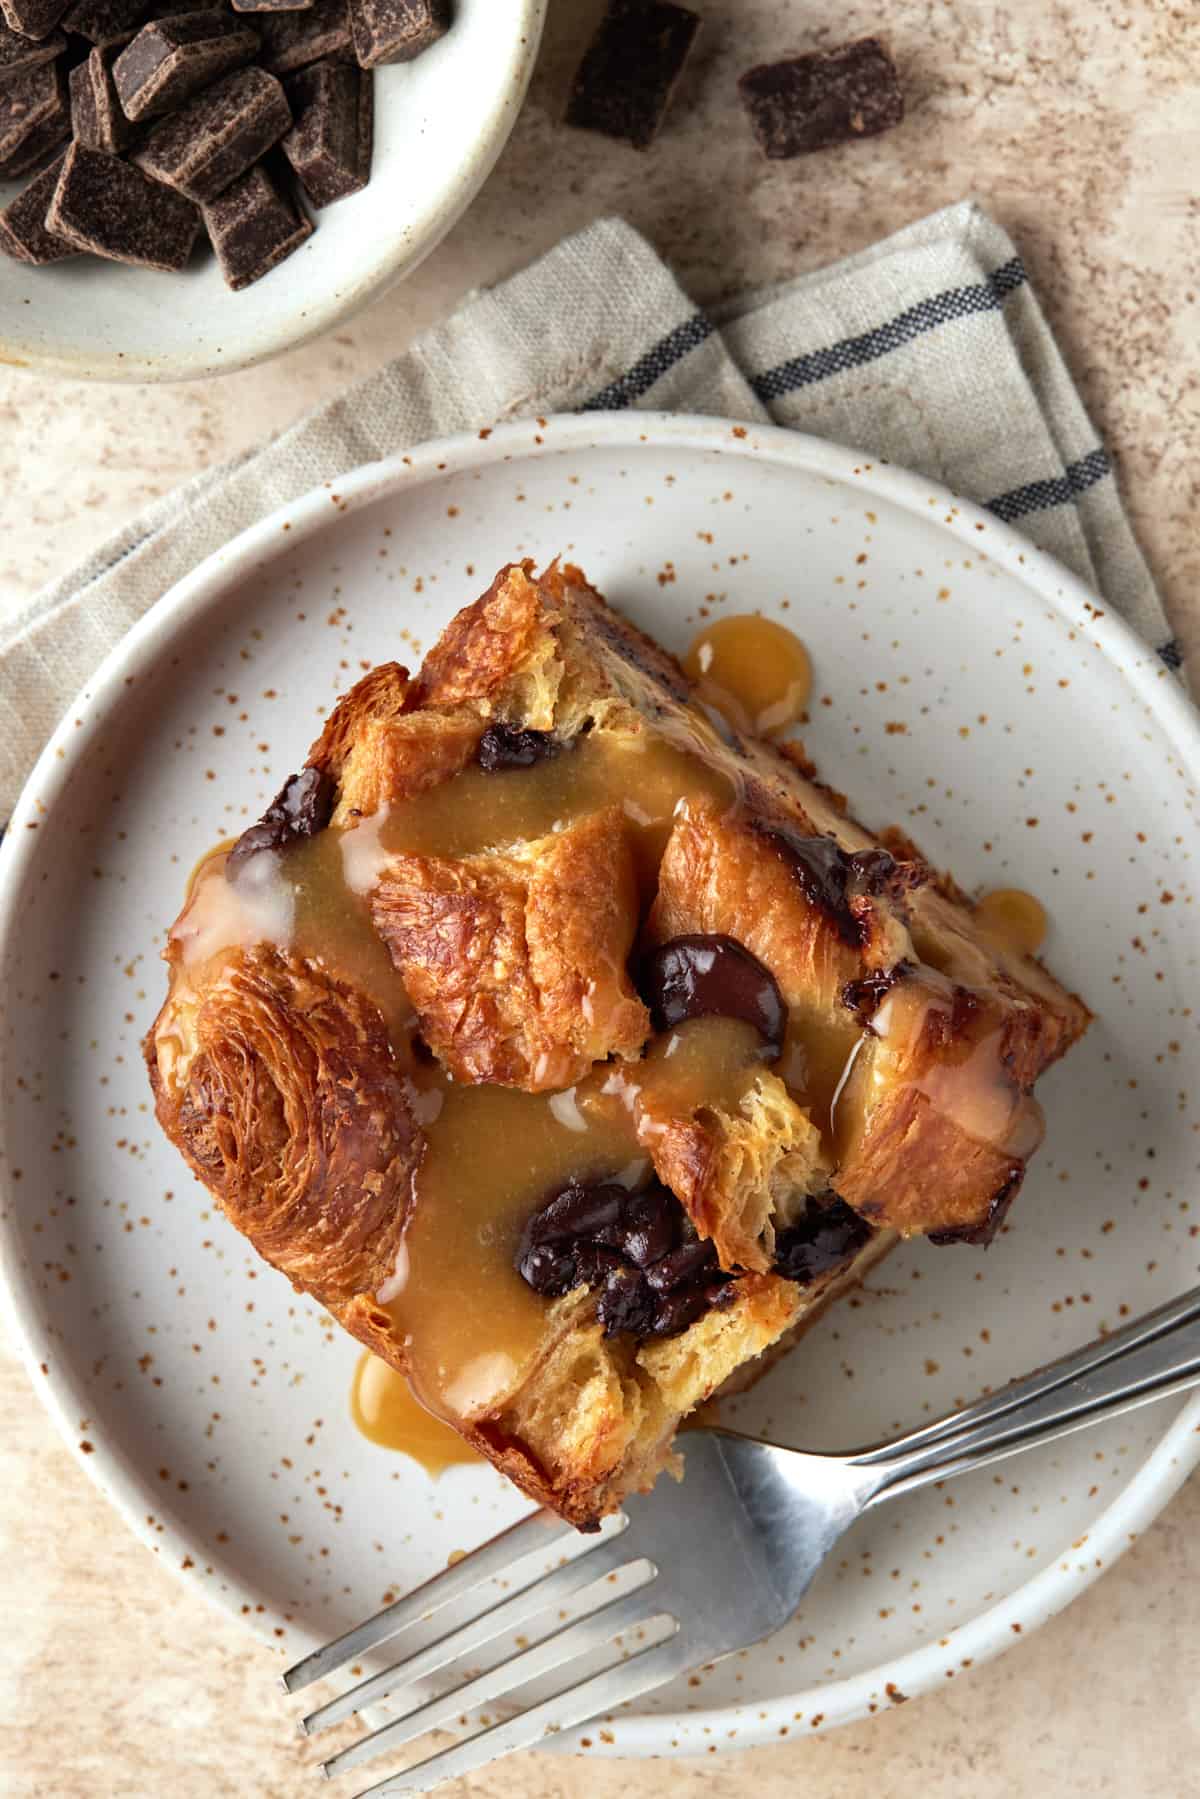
column 460, row 895
column 293, row 1114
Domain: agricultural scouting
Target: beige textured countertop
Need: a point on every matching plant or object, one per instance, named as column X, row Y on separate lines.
column 1079, row 128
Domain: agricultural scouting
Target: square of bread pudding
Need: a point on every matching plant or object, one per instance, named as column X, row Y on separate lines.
column 574, row 1047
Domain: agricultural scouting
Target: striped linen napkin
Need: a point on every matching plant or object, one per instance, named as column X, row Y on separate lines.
column 929, row 350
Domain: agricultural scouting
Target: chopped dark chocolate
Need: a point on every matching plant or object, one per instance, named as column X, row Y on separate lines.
column 503, row 746
column 29, row 110
column 826, row 1234
column 217, row 136
column 707, row 975
column 253, row 227
column 830, row 97
column 34, row 150
column 302, row 807
column 26, row 104
column 23, row 233
column 831, row 878
column 329, row 147
column 103, row 205
column 654, row 1274
column 630, row 70
column 271, row 5
column 96, row 116
column 33, row 18
column 171, row 59
column 292, row 40
column 105, row 22
column 19, row 55
column 865, row 996
column 387, row 31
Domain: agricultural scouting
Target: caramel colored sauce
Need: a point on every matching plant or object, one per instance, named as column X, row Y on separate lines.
column 479, row 810
column 754, row 671
column 471, row 1326
column 814, row 1064
column 1016, row 918
column 332, row 925
column 384, row 1409
column 221, row 915
column 703, row 1062
column 494, row 1156
column 966, row 1081
column 298, row 901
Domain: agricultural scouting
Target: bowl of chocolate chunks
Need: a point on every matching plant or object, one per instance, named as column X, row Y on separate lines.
column 188, row 187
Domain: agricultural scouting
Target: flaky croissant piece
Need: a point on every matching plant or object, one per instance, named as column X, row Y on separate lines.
column 281, row 1087
column 516, row 963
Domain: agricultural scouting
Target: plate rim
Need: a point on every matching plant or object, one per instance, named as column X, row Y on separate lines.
column 405, row 256
column 1177, row 1452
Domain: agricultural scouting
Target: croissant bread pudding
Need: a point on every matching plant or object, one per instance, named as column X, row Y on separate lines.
column 575, row 1050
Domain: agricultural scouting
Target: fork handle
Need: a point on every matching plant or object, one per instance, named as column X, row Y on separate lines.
column 1156, row 1355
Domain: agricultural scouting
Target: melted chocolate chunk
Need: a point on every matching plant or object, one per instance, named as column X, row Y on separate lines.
column 302, row 807
column 680, row 1267
column 682, row 1307
column 826, row 1235
column 704, row 976
column 830, row 878
column 864, row 997
column 503, row 747
column 627, row 1305
column 982, row 1234
column 654, row 1279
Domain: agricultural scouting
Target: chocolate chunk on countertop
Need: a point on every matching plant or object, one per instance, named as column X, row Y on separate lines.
column 254, row 227
column 23, row 232
column 33, row 112
column 33, row 18
column 807, row 103
column 105, row 22
column 171, row 59
column 387, row 31
column 292, row 40
column 96, row 116
column 20, row 55
column 631, row 68
column 104, row 205
column 217, row 136
column 329, row 147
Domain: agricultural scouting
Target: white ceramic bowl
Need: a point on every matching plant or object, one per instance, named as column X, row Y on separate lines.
column 1042, row 745
column 440, row 124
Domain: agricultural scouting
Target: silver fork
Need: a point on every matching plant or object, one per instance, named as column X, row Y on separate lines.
column 684, row 1575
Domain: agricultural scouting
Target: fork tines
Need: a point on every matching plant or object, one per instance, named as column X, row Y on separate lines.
column 604, row 1585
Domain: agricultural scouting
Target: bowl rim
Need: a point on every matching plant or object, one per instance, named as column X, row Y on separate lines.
column 1167, row 1465
column 401, row 259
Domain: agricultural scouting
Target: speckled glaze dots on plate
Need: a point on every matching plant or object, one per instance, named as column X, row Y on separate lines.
column 966, row 689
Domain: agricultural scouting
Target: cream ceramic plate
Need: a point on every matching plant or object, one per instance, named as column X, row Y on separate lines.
column 966, row 689
column 440, row 124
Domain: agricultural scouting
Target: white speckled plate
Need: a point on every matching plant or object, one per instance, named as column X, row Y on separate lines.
column 966, row 689
column 440, row 124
